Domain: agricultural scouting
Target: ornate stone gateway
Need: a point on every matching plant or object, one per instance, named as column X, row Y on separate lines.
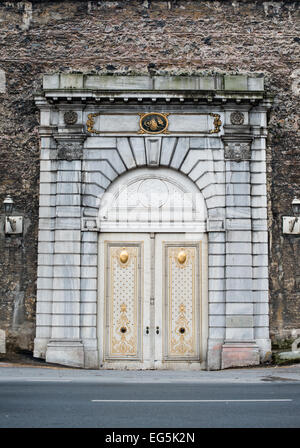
column 153, row 222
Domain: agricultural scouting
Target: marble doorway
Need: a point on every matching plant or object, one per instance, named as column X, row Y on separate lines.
column 152, row 297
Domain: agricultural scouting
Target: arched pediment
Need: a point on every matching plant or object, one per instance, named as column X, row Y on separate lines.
column 147, row 199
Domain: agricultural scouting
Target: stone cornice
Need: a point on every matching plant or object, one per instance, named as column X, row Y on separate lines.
column 110, row 89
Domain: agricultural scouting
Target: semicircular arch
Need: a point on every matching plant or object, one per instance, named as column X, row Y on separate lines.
column 147, row 199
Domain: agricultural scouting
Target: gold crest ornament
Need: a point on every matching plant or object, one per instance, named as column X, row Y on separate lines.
column 153, row 123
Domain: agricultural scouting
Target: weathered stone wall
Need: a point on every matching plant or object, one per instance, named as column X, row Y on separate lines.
column 156, row 37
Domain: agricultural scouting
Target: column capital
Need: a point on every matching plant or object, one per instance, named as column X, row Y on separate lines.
column 69, row 147
column 237, row 147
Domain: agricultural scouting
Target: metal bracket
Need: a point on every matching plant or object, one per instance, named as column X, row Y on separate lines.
column 13, row 225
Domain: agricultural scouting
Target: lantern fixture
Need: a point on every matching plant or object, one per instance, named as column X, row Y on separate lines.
column 296, row 206
column 12, row 224
column 8, row 205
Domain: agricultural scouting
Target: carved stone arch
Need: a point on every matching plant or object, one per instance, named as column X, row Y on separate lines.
column 184, row 155
column 208, row 172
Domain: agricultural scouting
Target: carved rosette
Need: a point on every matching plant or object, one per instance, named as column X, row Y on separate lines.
column 237, row 151
column 237, row 118
column 70, row 117
column 69, row 151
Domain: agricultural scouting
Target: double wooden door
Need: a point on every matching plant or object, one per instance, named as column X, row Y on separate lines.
column 149, row 307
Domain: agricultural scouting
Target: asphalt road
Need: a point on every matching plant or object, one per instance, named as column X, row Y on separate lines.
column 42, row 398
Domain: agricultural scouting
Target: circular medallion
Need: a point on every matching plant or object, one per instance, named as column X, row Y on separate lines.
column 154, row 123
column 70, row 117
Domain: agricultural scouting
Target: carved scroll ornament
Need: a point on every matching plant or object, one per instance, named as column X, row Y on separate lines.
column 217, row 123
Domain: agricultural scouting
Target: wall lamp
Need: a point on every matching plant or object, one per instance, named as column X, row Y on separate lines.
column 296, row 207
column 13, row 224
column 291, row 224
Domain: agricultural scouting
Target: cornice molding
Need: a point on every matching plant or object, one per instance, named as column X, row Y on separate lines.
column 111, row 89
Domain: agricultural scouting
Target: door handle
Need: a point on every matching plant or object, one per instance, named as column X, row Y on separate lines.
column 147, row 330
column 157, row 330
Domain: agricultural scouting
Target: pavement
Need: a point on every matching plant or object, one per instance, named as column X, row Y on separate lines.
column 36, row 394
column 22, row 366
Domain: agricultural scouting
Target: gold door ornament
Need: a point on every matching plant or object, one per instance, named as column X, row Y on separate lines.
column 125, row 345
column 124, row 256
column 182, row 344
column 181, row 257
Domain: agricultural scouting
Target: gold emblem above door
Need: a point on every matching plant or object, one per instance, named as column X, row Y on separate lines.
column 154, row 123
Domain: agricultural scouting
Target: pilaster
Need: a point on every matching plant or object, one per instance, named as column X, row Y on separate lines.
column 239, row 347
column 65, row 345
column 47, row 192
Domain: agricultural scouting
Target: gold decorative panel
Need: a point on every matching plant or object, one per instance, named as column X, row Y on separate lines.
column 182, row 303
column 123, row 302
column 153, row 123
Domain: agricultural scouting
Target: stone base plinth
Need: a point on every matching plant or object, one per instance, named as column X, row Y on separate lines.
column 2, row 341
column 91, row 359
column 265, row 349
column 239, row 354
column 65, row 352
column 214, row 351
column 40, row 347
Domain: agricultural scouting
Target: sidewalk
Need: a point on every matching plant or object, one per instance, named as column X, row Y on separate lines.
column 23, row 367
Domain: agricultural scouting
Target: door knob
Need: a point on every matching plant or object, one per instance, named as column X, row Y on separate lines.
column 157, row 330
column 147, row 330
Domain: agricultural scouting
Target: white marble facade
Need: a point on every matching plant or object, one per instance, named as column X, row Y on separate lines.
column 90, row 142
